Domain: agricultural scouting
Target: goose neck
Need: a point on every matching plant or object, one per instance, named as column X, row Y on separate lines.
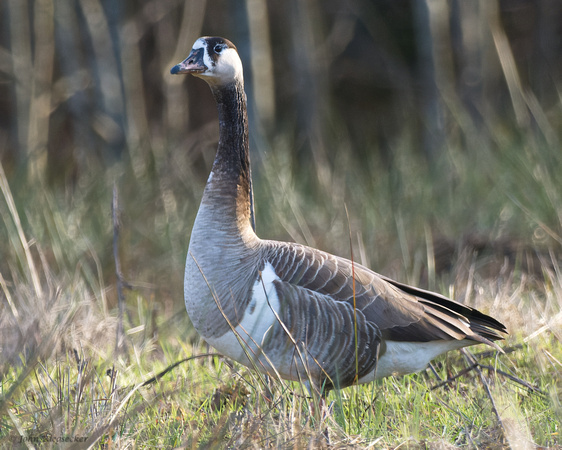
column 229, row 187
column 232, row 158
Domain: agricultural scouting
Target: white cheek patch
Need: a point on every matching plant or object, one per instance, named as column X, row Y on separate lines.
column 226, row 69
column 229, row 66
column 207, row 60
column 199, row 43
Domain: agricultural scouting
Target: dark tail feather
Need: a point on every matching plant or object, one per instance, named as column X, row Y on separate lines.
column 486, row 329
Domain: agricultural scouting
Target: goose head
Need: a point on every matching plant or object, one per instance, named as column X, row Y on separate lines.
column 214, row 59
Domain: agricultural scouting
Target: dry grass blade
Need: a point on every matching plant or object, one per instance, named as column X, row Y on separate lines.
column 32, row 270
column 120, row 343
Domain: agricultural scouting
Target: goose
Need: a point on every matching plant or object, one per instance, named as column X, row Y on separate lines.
column 287, row 309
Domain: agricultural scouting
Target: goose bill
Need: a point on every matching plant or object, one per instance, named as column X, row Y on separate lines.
column 192, row 64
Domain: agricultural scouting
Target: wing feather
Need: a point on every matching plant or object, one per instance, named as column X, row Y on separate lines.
column 399, row 311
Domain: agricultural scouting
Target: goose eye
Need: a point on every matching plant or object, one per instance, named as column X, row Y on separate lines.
column 218, row 48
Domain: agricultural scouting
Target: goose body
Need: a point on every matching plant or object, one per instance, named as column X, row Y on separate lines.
column 292, row 310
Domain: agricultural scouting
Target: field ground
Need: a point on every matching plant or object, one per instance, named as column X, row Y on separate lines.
column 488, row 237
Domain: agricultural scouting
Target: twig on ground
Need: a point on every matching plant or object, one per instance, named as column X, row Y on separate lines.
column 490, row 353
column 524, row 383
column 181, row 361
column 475, row 365
column 432, row 368
column 454, row 377
column 473, row 361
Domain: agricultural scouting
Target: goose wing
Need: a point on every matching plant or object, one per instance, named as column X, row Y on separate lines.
column 326, row 295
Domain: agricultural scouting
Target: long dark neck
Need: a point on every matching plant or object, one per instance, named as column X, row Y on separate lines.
column 231, row 169
column 233, row 153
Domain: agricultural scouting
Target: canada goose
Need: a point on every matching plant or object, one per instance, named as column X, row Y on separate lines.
column 292, row 310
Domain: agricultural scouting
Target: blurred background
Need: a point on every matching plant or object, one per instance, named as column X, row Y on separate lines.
column 418, row 137
column 437, row 123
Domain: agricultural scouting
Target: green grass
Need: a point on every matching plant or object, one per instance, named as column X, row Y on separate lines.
column 62, row 379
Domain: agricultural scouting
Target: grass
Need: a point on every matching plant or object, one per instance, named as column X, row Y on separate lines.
column 63, row 384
